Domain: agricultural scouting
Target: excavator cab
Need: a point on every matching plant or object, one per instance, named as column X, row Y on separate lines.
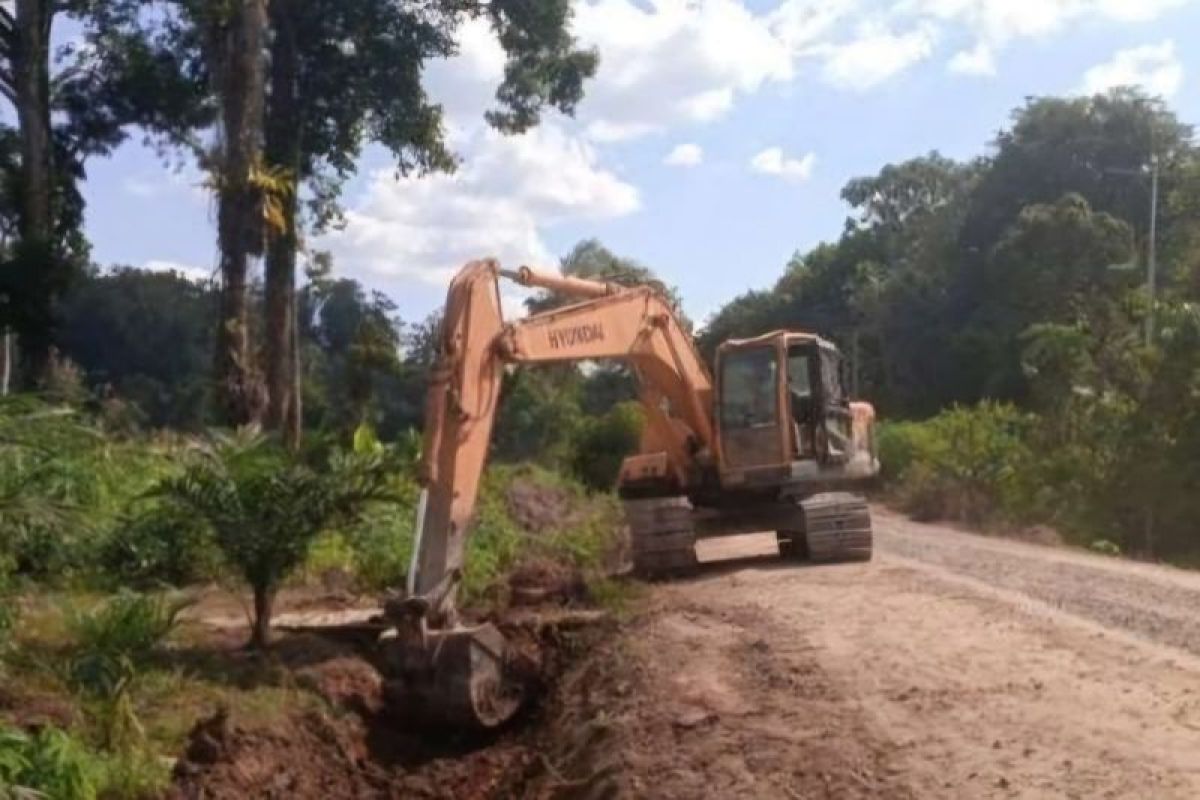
column 783, row 412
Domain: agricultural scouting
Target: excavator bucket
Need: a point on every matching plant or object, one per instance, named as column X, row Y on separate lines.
column 463, row 678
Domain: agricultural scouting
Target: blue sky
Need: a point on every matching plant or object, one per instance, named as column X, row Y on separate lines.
column 712, row 144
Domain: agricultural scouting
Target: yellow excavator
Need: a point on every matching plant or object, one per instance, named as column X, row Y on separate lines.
column 772, row 444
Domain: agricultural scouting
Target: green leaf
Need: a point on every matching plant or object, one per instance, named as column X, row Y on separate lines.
column 365, row 440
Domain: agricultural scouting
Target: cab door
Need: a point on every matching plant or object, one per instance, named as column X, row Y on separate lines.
column 749, row 384
column 834, row 440
column 802, row 398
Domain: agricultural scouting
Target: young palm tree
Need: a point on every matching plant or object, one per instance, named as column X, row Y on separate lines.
column 265, row 507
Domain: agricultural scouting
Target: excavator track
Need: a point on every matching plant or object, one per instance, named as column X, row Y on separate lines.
column 830, row 528
column 662, row 536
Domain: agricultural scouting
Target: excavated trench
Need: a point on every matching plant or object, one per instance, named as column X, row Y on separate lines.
column 354, row 746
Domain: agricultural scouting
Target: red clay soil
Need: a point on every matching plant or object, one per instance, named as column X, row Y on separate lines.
column 34, row 709
column 543, row 581
column 354, row 749
column 324, row 755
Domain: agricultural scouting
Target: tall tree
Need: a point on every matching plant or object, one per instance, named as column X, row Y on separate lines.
column 345, row 73
column 69, row 105
column 237, row 33
column 1092, row 146
column 25, row 33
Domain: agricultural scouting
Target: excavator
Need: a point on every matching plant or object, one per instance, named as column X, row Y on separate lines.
column 768, row 441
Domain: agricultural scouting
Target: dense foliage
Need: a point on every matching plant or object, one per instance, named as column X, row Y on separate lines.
column 1018, row 282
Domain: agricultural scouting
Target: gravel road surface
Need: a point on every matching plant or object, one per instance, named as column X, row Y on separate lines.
column 953, row 665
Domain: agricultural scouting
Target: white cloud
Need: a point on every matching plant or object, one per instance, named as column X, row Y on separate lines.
column 1137, row 10
column 604, row 131
column 189, row 271
column 507, row 189
column 708, row 105
column 773, row 162
column 875, row 55
column 466, row 84
column 995, row 23
column 979, row 60
column 798, row 23
column 1154, row 67
column 670, row 62
column 684, row 155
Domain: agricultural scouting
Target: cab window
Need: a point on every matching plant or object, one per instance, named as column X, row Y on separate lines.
column 749, row 388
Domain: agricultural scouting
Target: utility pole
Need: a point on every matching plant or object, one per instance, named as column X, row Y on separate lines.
column 1151, row 266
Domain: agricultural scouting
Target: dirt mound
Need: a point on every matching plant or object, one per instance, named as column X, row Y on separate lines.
column 317, row 755
column 543, row 581
column 313, row 757
column 30, row 709
column 539, row 508
column 688, row 702
column 370, row 752
column 346, row 682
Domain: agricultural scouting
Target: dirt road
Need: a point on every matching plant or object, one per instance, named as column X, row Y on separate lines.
column 953, row 665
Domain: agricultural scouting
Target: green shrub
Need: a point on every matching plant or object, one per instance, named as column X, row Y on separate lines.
column 53, row 764
column 8, row 606
column 119, row 635
column 64, row 486
column 110, row 647
column 49, row 763
column 898, row 443
column 966, row 463
column 603, row 443
column 583, row 534
column 382, row 544
column 159, row 544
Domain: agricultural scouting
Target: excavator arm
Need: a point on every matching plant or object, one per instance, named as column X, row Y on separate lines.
column 460, row 674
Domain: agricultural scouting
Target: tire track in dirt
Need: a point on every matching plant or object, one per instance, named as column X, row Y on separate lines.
column 1159, row 603
column 991, row 669
column 700, row 701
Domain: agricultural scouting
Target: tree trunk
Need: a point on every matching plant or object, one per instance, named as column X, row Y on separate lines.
column 239, row 210
column 31, row 75
column 283, row 149
column 31, row 79
column 260, row 631
column 6, row 353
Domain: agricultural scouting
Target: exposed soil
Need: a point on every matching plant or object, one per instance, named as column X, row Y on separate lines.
column 539, row 508
column 354, row 747
column 326, row 755
column 953, row 665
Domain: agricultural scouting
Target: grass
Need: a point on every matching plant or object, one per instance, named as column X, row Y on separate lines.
column 377, row 551
column 198, row 672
